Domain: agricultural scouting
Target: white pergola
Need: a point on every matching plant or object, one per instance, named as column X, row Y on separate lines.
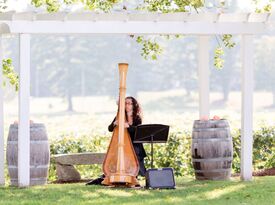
column 203, row 25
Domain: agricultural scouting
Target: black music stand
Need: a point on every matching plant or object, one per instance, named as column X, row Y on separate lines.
column 151, row 133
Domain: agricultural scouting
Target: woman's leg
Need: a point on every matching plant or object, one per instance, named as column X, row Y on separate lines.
column 142, row 169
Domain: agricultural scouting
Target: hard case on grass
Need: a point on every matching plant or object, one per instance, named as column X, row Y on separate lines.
column 162, row 178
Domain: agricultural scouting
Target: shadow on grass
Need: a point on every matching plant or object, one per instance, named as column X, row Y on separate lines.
column 260, row 191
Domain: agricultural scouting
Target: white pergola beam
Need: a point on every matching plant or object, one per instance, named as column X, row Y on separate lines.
column 247, row 108
column 136, row 16
column 135, row 27
column 203, row 72
column 2, row 152
column 24, row 114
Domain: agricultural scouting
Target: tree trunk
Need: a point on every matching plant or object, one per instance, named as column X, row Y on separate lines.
column 188, row 93
column 225, row 92
column 273, row 94
column 70, row 101
column 70, row 74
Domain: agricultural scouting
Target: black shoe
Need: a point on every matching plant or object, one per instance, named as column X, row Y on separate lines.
column 137, row 186
column 96, row 181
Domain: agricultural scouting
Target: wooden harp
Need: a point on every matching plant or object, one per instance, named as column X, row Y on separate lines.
column 121, row 165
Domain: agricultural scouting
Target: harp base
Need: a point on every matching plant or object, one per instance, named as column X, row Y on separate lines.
column 120, row 180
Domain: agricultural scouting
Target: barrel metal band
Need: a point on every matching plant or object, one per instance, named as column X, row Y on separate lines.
column 32, row 179
column 213, row 159
column 39, row 179
column 212, row 139
column 211, row 129
column 32, row 166
column 213, row 170
column 32, row 142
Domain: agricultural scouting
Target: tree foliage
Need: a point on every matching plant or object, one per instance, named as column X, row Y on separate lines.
column 10, row 74
column 94, row 5
column 7, row 68
column 168, row 6
column 265, row 65
column 219, row 51
column 150, row 47
column 3, row 5
column 267, row 7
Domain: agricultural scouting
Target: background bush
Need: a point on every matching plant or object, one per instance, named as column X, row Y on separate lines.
column 65, row 144
column 176, row 153
column 263, row 148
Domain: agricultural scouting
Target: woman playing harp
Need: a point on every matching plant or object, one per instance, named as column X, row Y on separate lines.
column 133, row 118
column 121, row 165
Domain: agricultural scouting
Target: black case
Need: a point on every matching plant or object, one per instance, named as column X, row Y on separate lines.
column 162, row 178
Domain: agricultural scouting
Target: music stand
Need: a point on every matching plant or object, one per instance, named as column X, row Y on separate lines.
column 151, row 133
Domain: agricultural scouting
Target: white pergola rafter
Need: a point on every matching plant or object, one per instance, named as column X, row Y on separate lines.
column 135, row 23
column 203, row 25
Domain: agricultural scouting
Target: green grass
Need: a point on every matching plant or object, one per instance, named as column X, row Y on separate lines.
column 260, row 191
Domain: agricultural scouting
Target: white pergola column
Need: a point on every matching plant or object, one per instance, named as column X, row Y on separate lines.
column 2, row 154
column 203, row 72
column 247, row 108
column 24, row 114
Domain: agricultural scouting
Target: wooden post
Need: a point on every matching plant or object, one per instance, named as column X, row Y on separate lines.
column 24, row 114
column 203, row 72
column 2, row 152
column 247, row 108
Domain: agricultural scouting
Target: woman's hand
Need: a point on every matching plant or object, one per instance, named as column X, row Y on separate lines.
column 126, row 125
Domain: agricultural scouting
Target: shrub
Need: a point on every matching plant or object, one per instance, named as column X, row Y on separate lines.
column 176, row 153
column 65, row 144
column 263, row 148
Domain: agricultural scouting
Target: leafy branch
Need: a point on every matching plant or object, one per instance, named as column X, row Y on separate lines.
column 96, row 5
column 219, row 51
column 10, row 74
column 3, row 5
column 166, row 6
column 7, row 68
column 265, row 8
column 150, row 47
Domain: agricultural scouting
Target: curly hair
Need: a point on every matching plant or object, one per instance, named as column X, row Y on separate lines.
column 137, row 112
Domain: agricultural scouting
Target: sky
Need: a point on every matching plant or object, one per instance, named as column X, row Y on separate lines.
column 20, row 5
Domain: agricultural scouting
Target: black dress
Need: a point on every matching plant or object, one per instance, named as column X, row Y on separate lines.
column 138, row 147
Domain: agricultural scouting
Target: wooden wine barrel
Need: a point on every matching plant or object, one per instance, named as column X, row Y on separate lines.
column 212, row 150
column 39, row 154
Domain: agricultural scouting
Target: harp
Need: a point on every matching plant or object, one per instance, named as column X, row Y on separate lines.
column 121, row 165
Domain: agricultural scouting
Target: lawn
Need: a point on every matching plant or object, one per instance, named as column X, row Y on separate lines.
column 260, row 191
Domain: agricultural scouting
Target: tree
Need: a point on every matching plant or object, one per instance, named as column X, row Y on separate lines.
column 59, row 74
column 224, row 79
column 265, row 65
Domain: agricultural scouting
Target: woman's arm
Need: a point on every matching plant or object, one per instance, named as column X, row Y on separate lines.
column 111, row 127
